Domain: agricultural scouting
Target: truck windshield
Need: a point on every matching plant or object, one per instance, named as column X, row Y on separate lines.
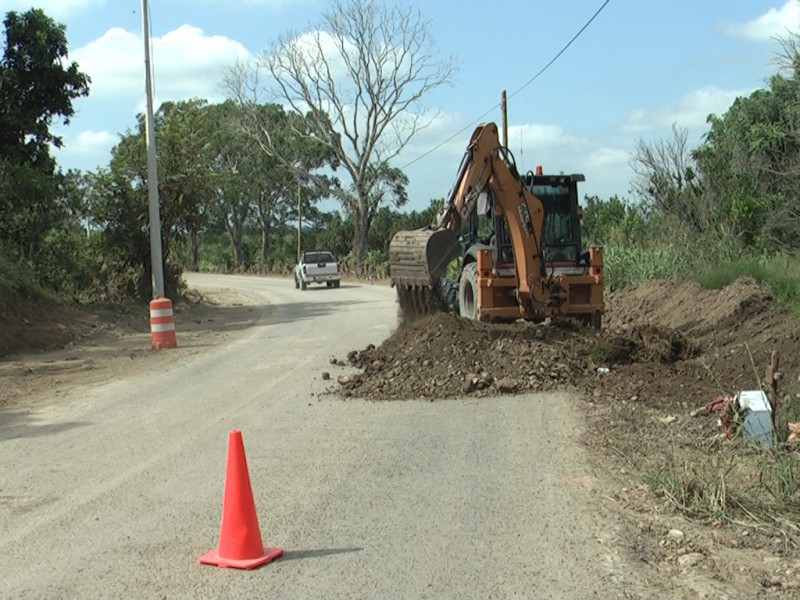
column 318, row 257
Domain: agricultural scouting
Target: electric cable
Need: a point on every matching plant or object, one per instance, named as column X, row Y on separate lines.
column 526, row 84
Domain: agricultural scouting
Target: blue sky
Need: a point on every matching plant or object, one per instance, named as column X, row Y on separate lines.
column 640, row 67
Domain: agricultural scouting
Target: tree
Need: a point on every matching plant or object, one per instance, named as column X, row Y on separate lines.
column 612, row 221
column 119, row 216
column 252, row 185
column 750, row 159
column 37, row 86
column 359, row 76
column 184, row 188
column 666, row 179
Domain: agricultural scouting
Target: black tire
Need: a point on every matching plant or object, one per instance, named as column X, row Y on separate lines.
column 336, row 283
column 303, row 285
column 328, row 284
column 450, row 294
column 296, row 284
column 468, row 292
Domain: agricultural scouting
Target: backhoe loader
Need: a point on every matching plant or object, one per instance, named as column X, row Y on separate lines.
column 517, row 239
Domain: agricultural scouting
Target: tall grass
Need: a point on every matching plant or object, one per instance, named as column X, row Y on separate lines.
column 627, row 265
column 781, row 273
column 755, row 487
column 712, row 263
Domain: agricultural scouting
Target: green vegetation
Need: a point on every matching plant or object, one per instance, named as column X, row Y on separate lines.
column 234, row 178
column 729, row 208
column 753, row 488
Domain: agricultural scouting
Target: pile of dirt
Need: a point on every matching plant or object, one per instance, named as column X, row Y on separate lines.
column 31, row 322
column 443, row 356
column 659, row 339
column 688, row 306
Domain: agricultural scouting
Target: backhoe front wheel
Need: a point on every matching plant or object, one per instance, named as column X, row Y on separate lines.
column 468, row 292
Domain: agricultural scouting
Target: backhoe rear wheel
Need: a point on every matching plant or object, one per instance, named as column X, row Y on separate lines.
column 468, row 292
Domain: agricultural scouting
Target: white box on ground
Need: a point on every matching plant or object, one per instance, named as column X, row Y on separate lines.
column 757, row 416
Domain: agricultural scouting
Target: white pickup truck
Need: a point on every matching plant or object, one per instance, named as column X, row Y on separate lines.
column 317, row 266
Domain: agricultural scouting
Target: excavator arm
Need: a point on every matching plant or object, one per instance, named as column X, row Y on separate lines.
column 417, row 259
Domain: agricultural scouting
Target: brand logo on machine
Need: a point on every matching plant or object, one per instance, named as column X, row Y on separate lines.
column 525, row 218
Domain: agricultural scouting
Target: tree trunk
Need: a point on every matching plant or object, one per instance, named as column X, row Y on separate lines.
column 264, row 244
column 234, row 229
column 360, row 240
column 263, row 222
column 193, row 251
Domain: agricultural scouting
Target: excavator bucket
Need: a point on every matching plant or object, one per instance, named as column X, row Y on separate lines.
column 418, row 258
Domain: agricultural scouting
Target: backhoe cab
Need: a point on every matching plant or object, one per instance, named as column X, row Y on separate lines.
column 561, row 234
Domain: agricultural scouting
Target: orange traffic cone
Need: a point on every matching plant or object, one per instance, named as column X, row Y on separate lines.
column 240, row 543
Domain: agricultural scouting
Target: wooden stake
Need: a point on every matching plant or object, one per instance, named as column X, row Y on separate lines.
column 771, row 381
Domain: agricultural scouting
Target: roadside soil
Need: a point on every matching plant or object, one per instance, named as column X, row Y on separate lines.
column 665, row 351
column 47, row 348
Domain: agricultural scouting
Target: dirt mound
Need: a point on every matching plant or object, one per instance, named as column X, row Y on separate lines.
column 687, row 306
column 30, row 322
column 441, row 356
column 659, row 338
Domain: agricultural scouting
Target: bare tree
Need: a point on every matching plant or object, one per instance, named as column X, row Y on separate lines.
column 666, row 178
column 359, row 78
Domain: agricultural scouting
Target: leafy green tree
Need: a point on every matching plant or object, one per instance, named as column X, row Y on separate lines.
column 37, row 86
column 119, row 195
column 612, row 221
column 750, row 160
column 331, row 232
column 184, row 174
column 253, row 187
column 119, row 219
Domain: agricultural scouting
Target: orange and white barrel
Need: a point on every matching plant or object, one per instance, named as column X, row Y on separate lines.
column 162, row 324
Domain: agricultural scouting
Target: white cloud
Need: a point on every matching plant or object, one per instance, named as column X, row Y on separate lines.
column 608, row 157
column 774, row 22
column 91, row 141
column 53, row 8
column 607, row 171
column 542, row 137
column 691, row 110
column 86, row 150
column 186, row 63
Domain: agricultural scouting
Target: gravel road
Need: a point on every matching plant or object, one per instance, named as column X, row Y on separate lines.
column 114, row 490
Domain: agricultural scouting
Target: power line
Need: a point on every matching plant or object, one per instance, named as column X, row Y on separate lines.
column 526, row 84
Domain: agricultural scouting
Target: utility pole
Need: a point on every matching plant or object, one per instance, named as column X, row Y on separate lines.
column 504, row 116
column 156, row 259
